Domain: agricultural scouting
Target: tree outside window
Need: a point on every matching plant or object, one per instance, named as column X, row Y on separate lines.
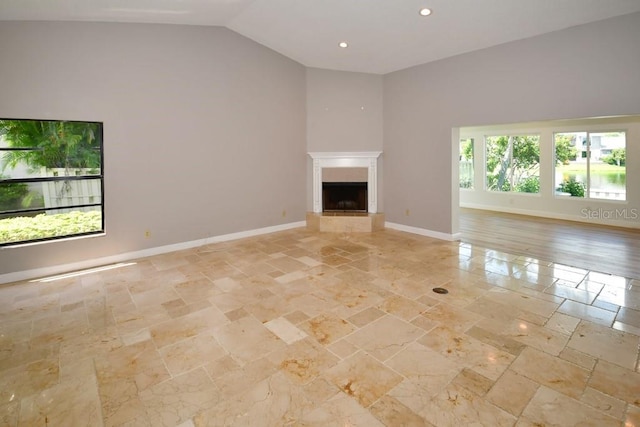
column 466, row 163
column 513, row 163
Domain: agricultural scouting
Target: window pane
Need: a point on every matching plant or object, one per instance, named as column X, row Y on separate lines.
column 40, row 144
column 513, row 163
column 44, row 153
column 22, row 170
column 608, row 166
column 35, row 226
column 466, row 163
column 49, row 195
column 571, row 164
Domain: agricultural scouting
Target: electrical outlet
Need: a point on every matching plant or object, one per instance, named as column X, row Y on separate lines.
column 147, row 234
column 407, row 212
column 284, row 213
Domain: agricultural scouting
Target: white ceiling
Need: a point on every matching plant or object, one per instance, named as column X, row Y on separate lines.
column 383, row 35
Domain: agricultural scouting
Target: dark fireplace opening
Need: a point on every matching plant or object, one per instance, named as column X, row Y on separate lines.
column 344, row 197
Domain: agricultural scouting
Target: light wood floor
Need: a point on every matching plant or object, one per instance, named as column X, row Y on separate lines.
column 610, row 250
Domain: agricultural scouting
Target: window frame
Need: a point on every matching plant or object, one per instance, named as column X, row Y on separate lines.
column 44, row 179
column 486, row 137
column 472, row 161
column 588, row 157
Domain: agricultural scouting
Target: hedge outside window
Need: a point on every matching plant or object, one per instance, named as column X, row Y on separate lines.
column 51, row 180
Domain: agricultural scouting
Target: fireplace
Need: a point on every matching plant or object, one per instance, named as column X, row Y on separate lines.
column 355, row 172
column 344, row 197
column 345, row 192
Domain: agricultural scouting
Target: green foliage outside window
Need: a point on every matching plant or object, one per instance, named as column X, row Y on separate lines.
column 52, row 144
column 12, row 195
column 20, row 229
column 573, row 187
column 513, row 163
column 618, row 157
column 565, row 148
column 529, row 185
column 466, row 163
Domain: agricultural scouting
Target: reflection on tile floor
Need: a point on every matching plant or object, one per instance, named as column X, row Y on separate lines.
column 303, row 328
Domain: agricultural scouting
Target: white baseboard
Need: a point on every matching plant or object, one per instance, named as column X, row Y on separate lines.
column 128, row 256
column 422, row 231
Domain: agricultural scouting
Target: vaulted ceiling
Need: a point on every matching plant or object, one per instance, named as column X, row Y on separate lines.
column 382, row 35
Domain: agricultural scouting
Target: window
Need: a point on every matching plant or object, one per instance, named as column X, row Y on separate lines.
column 591, row 165
column 513, row 163
column 51, row 180
column 466, row 163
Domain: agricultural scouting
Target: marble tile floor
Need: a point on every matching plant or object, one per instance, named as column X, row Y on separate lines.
column 298, row 328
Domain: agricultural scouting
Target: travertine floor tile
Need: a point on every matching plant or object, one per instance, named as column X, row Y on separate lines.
column 605, row 403
column 363, row 378
column 453, row 317
column 587, row 312
column 535, row 336
column 25, row 380
column 246, row 339
column 70, row 403
column 385, row 337
column 615, row 381
column 175, row 401
column 605, row 343
column 457, row 406
column 338, row 411
column 270, row 402
column 318, row 329
column 191, row 353
column 619, row 296
column 327, row 328
column 473, row 381
column 552, row 372
column 548, row 407
column 140, row 363
column 512, row 392
column 393, row 413
column 467, row 351
column 562, row 323
column 303, row 361
column 633, row 416
column 9, row 414
column 402, row 307
column 285, row 330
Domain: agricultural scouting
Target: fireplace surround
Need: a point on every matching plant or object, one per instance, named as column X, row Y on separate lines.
column 366, row 159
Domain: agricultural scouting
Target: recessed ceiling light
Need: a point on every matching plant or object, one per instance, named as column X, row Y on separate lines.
column 425, row 11
column 343, row 44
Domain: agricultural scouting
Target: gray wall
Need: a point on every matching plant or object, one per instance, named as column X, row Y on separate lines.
column 586, row 71
column 204, row 130
column 344, row 113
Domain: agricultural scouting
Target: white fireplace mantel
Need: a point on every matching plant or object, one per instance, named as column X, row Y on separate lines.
column 361, row 159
